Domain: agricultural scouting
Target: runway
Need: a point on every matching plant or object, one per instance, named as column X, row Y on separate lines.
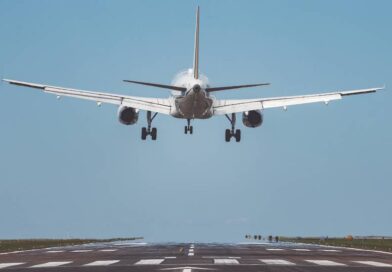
column 131, row 256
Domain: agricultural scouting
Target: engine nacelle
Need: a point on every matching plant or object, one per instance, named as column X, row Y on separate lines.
column 127, row 115
column 252, row 118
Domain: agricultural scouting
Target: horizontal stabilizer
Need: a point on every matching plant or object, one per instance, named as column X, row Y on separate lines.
column 170, row 87
column 215, row 89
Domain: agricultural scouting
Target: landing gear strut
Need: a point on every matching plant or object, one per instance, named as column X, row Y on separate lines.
column 236, row 133
column 149, row 130
column 188, row 128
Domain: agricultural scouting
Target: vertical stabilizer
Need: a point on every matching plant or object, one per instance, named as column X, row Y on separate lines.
column 196, row 53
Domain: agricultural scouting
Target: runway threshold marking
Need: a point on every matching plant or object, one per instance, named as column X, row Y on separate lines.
column 149, row 261
column 225, row 261
column 276, row 262
column 102, row 263
column 4, row 265
column 50, row 264
column 325, row 262
column 372, row 263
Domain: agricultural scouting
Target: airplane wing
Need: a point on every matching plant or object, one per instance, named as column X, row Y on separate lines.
column 242, row 105
column 142, row 103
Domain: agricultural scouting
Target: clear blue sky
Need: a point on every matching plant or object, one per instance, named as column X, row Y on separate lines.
column 70, row 169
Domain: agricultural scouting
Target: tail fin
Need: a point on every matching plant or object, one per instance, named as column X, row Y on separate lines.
column 196, row 53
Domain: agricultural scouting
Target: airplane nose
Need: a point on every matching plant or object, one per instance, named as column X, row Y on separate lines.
column 196, row 88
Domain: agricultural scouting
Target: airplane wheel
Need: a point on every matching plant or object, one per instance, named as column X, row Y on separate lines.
column 186, row 130
column 227, row 135
column 238, row 135
column 154, row 134
column 144, row 133
column 191, row 129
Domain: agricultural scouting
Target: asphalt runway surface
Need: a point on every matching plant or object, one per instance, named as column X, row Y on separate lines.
column 131, row 256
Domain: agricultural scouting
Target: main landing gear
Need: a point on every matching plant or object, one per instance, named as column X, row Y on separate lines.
column 149, row 130
column 236, row 133
column 188, row 128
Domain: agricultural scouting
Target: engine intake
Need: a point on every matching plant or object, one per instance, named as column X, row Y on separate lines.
column 252, row 118
column 127, row 115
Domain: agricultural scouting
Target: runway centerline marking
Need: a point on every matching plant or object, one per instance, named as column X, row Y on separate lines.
column 330, row 250
column 325, row 262
column 191, row 254
column 220, row 257
column 301, row 249
column 276, row 261
column 274, row 249
column 4, row 265
column 50, row 264
column 102, row 263
column 149, row 261
column 81, row 250
column 372, row 263
column 108, row 250
column 225, row 261
column 54, row 251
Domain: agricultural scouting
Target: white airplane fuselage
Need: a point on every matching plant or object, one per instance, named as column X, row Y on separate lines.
column 195, row 102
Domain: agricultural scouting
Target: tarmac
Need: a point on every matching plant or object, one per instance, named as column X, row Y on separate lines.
column 188, row 257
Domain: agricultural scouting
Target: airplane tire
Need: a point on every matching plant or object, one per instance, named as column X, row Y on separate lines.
column 154, row 134
column 191, row 129
column 144, row 133
column 186, row 130
column 238, row 135
column 227, row 135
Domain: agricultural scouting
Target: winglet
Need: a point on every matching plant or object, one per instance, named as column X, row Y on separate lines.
column 196, row 52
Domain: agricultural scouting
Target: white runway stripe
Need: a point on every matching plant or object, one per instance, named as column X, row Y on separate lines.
column 4, row 265
column 274, row 249
column 276, row 261
column 191, row 254
column 108, row 250
column 150, row 261
column 54, row 251
column 225, row 261
column 81, row 250
column 325, row 262
column 372, row 263
column 102, row 263
column 331, row 250
column 50, row 264
column 301, row 249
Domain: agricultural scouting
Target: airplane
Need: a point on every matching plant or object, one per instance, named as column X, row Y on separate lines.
column 191, row 98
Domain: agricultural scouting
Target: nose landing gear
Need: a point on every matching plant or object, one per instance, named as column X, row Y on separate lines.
column 188, row 128
column 236, row 133
column 149, row 131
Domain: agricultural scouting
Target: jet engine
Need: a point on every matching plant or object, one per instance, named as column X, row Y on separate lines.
column 127, row 115
column 252, row 118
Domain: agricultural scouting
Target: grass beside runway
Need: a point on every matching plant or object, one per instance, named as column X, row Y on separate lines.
column 26, row 244
column 382, row 244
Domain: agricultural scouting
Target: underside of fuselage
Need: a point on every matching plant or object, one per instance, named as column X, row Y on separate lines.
column 193, row 105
